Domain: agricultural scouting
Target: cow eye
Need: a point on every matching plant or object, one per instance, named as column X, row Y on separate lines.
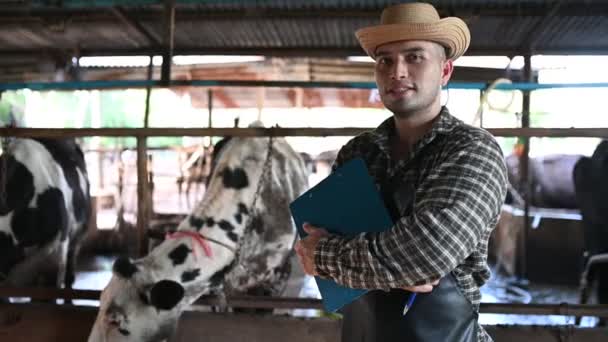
column 124, row 332
column 144, row 298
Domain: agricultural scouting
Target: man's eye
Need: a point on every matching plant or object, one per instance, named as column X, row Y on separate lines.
column 414, row 58
column 384, row 61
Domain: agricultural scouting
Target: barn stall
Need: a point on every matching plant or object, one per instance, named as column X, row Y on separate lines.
column 535, row 24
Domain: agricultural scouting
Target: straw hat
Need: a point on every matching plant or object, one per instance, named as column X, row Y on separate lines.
column 416, row 21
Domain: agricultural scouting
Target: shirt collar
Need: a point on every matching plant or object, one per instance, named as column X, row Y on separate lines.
column 443, row 124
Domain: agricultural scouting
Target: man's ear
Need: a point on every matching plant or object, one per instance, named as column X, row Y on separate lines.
column 446, row 72
column 165, row 294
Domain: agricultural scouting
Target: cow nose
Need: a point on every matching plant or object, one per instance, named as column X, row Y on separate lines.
column 113, row 315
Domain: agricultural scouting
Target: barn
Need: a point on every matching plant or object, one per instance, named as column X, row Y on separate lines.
column 175, row 116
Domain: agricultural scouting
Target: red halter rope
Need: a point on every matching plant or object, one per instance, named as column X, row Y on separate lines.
column 195, row 236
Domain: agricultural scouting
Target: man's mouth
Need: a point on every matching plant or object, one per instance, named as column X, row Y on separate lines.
column 399, row 91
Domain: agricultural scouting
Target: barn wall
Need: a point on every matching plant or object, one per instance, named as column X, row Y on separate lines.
column 44, row 322
column 554, row 250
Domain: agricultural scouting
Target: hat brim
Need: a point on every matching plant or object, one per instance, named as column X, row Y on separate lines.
column 451, row 32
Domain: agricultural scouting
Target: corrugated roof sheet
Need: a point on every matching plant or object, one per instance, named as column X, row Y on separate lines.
column 54, row 31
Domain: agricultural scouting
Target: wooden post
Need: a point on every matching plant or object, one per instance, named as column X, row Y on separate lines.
column 142, row 195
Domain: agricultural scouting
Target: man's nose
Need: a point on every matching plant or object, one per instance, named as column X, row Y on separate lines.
column 399, row 71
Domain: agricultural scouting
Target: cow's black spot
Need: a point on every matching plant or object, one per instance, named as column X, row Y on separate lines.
column 10, row 254
column 236, row 179
column 210, row 221
column 70, row 158
column 238, row 218
column 232, row 236
column 39, row 225
column 243, row 209
column 217, row 278
column 257, row 224
column 19, row 185
column 165, row 294
column 225, row 225
column 190, row 275
column 196, row 222
column 124, row 267
column 179, row 254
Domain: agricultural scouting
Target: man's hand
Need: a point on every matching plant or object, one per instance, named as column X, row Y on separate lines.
column 422, row 288
column 305, row 248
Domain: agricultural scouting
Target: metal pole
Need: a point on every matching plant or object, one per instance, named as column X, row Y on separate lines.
column 481, row 104
column 209, row 140
column 524, row 163
column 148, row 93
column 168, row 41
column 210, row 107
column 123, row 84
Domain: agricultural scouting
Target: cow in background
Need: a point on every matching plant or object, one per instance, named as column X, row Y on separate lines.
column 550, row 181
column 591, row 181
column 552, row 186
column 146, row 297
column 44, row 211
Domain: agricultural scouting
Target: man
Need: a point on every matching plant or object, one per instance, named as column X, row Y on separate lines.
column 443, row 182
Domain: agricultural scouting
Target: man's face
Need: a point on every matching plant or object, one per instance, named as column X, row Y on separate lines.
column 409, row 75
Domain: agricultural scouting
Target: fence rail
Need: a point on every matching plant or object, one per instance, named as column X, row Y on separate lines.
column 274, row 131
column 564, row 309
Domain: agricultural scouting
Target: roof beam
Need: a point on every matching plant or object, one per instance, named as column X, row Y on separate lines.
column 132, row 23
column 294, row 51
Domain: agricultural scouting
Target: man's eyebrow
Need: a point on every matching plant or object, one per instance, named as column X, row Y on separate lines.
column 404, row 51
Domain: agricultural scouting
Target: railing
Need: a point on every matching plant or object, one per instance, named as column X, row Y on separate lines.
column 563, row 309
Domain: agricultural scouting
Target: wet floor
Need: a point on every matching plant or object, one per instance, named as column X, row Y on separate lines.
column 504, row 290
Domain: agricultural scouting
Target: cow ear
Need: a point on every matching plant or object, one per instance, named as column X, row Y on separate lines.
column 124, row 268
column 165, row 294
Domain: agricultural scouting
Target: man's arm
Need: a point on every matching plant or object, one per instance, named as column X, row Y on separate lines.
column 453, row 207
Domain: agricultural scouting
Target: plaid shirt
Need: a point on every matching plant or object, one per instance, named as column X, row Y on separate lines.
column 450, row 190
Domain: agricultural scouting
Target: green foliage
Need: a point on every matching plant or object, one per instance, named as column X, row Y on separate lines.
column 11, row 101
column 115, row 108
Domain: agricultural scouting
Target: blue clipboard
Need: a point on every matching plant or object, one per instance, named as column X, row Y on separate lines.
column 345, row 203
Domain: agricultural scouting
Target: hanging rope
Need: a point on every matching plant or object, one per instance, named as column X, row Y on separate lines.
column 483, row 102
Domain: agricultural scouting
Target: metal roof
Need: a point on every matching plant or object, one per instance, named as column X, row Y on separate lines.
column 37, row 33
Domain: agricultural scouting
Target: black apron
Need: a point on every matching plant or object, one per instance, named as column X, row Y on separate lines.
column 443, row 315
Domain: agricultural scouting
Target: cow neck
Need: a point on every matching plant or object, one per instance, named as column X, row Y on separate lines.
column 266, row 174
column 200, row 239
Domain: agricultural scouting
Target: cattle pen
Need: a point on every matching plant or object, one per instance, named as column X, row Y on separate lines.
column 53, row 320
column 307, row 51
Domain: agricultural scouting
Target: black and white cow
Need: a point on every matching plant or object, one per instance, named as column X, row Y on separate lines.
column 44, row 210
column 591, row 180
column 145, row 298
column 550, row 180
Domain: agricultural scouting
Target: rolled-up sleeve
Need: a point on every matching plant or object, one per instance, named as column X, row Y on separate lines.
column 454, row 207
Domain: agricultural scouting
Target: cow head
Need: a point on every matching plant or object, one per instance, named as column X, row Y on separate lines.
column 131, row 295
column 145, row 298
